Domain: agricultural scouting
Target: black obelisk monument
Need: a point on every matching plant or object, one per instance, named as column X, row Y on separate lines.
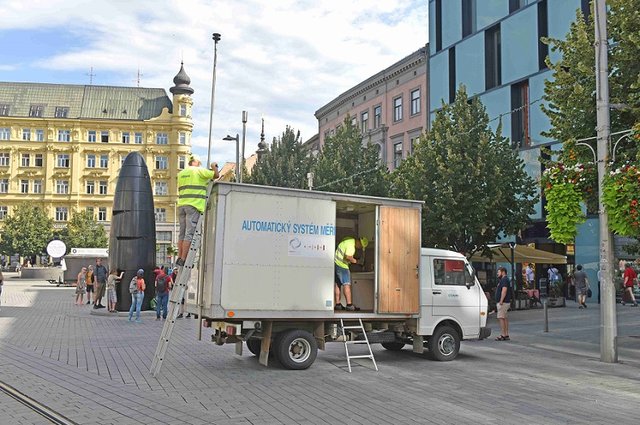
column 132, row 242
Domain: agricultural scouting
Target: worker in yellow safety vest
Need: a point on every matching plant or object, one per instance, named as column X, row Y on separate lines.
column 192, row 198
column 343, row 257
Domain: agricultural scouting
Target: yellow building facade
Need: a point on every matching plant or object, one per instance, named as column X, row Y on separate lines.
column 61, row 147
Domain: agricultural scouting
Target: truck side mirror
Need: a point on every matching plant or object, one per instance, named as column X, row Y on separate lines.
column 470, row 277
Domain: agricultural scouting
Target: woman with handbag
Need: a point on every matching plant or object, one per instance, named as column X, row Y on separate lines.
column 630, row 278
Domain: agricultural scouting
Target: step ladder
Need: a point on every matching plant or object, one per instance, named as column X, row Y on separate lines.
column 178, row 292
column 356, row 328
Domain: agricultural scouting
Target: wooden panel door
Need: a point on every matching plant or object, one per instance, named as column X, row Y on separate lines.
column 399, row 250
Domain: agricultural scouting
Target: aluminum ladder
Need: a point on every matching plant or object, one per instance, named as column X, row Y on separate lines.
column 359, row 327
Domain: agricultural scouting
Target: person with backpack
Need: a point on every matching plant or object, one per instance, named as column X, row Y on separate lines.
column 503, row 301
column 163, row 286
column 136, row 289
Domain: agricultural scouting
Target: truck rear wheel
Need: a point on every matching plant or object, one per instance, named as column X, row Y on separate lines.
column 254, row 345
column 444, row 344
column 393, row 346
column 296, row 349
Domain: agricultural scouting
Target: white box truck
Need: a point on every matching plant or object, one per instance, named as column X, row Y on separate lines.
column 267, row 275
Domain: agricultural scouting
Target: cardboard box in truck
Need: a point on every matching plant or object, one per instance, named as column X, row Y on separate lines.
column 267, row 269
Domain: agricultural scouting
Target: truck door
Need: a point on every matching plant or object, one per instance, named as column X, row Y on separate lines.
column 451, row 296
column 399, row 253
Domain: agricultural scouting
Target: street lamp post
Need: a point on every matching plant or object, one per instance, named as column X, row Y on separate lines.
column 216, row 37
column 245, row 115
column 229, row 138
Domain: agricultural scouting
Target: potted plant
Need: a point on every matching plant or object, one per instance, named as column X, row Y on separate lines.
column 556, row 294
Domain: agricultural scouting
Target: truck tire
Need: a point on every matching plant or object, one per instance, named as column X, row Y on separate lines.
column 393, row 346
column 444, row 344
column 295, row 349
column 254, row 344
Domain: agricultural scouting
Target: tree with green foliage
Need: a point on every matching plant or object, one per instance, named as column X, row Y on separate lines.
column 83, row 231
column 26, row 231
column 473, row 183
column 285, row 164
column 347, row 165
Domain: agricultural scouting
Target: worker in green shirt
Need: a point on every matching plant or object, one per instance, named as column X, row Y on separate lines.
column 192, row 198
column 343, row 257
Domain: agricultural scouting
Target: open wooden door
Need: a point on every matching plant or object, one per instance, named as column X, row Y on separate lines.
column 399, row 256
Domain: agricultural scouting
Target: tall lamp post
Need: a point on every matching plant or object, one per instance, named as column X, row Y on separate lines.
column 216, row 37
column 245, row 115
column 237, row 139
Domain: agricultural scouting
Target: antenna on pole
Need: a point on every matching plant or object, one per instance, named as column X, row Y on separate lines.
column 90, row 75
column 138, row 75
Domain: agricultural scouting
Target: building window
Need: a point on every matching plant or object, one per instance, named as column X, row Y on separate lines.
column 182, row 137
column 520, row 132
column 61, row 213
column 4, row 210
column 91, row 136
column 452, row 74
column 63, row 160
column 162, row 139
column 492, row 57
column 102, row 187
column 39, row 135
column 104, row 136
column 37, row 186
column 104, row 161
column 5, row 133
column 90, row 211
column 163, row 236
column 183, row 110
column 62, row 187
column 161, row 215
column 181, row 162
column 162, row 163
column 543, row 31
column 102, row 214
column 438, row 20
column 377, row 116
column 4, row 110
column 91, row 187
column 24, row 186
column 64, row 135
column 4, row 185
column 397, row 154
column 26, row 134
column 137, row 138
column 5, row 159
column 125, row 137
column 162, row 188
column 412, row 143
column 38, row 160
column 36, row 111
column 415, row 102
column 397, row 109
column 364, row 121
column 468, row 17
column 25, row 160
column 91, row 161
column 62, row 112
column 516, row 4
column 354, row 121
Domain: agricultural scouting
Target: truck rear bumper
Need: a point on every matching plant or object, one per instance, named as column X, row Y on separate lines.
column 485, row 332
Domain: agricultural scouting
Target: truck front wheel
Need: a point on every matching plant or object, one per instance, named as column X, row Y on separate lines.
column 444, row 344
column 296, row 349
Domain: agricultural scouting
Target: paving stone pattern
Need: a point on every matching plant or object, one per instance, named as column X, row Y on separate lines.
column 93, row 369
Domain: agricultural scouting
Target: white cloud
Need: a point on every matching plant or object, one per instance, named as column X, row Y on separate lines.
column 279, row 59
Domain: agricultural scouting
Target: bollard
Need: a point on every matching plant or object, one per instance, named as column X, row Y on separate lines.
column 546, row 316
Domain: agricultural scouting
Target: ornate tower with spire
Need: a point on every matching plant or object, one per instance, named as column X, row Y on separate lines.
column 182, row 101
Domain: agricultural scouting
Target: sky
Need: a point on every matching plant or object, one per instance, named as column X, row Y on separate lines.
column 280, row 60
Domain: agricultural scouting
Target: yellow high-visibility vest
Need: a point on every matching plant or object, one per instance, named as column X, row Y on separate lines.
column 192, row 187
column 345, row 248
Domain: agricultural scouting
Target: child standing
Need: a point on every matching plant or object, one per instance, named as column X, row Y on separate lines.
column 89, row 279
column 81, row 286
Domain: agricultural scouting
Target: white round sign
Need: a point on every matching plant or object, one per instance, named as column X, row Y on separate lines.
column 56, row 248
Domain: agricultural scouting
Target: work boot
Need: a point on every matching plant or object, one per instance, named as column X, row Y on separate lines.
column 339, row 307
column 351, row 307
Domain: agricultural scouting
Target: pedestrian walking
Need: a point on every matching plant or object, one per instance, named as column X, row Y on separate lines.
column 529, row 274
column 503, row 301
column 1, row 283
column 582, row 286
column 163, row 286
column 90, row 280
column 81, row 286
column 101, row 274
column 136, row 289
column 112, row 297
column 630, row 278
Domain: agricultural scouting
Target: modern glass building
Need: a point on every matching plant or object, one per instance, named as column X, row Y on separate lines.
column 493, row 47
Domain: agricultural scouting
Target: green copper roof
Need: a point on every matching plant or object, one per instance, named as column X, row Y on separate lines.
column 84, row 102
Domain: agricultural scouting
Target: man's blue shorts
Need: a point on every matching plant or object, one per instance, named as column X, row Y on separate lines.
column 342, row 276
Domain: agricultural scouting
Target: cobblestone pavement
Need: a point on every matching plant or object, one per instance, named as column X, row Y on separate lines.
column 94, row 369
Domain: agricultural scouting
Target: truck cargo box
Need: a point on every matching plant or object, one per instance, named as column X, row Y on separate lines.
column 269, row 253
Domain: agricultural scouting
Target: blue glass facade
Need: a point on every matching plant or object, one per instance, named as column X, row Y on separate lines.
column 520, row 77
